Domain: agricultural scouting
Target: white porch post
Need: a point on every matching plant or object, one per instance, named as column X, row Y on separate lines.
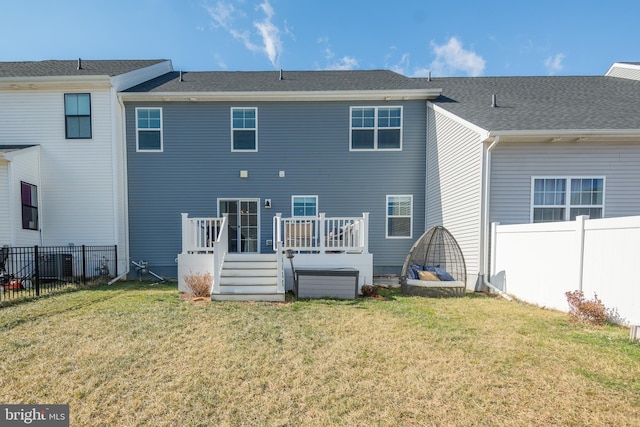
column 365, row 233
column 277, row 231
column 185, row 239
column 321, row 229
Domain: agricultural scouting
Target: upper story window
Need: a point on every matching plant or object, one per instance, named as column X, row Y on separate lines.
column 149, row 129
column 77, row 115
column 563, row 199
column 244, row 129
column 305, row 205
column 29, row 195
column 376, row 128
column 399, row 216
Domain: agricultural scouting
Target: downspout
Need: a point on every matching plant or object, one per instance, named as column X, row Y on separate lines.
column 484, row 225
column 125, row 186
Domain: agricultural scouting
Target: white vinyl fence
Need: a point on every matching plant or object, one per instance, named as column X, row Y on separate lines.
column 538, row 263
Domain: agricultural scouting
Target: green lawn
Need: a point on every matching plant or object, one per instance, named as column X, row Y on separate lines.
column 137, row 354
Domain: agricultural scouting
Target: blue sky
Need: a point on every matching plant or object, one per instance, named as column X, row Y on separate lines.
column 413, row 37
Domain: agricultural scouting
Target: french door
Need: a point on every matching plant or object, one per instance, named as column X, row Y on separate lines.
column 244, row 224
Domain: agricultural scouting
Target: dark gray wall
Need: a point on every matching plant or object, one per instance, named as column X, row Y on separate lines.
column 307, row 140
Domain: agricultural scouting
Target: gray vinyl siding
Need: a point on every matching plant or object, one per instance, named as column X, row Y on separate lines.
column 513, row 165
column 309, row 141
column 454, row 184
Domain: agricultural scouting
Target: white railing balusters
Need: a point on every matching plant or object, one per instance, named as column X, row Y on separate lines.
column 322, row 234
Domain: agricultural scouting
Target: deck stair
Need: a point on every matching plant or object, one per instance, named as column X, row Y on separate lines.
column 249, row 277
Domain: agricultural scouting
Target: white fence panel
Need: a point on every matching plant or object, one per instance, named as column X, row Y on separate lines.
column 612, row 264
column 538, row 263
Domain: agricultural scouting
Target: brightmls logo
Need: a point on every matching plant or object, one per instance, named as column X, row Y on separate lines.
column 34, row 415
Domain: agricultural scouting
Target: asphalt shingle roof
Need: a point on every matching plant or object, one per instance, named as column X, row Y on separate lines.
column 56, row 68
column 542, row 103
column 269, row 81
column 9, row 148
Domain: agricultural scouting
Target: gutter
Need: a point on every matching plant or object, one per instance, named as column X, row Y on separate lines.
column 298, row 95
column 484, row 224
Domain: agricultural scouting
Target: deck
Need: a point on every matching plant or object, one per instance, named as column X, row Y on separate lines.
column 299, row 242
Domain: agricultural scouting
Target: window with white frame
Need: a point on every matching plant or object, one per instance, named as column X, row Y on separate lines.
column 149, row 129
column 399, row 216
column 304, row 205
column 77, row 115
column 244, row 129
column 565, row 198
column 376, row 128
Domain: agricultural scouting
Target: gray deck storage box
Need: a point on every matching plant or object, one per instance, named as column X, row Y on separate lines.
column 326, row 283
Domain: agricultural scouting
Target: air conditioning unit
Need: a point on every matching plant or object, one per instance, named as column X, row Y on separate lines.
column 55, row 266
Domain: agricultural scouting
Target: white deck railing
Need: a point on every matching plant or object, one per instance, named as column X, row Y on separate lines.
column 200, row 234
column 321, row 234
column 206, row 236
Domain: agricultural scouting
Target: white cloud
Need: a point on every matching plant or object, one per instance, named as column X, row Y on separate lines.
column 221, row 14
column 272, row 45
column 265, row 40
column 344, row 63
column 420, row 72
column 220, row 61
column 403, row 65
column 452, row 58
column 554, row 63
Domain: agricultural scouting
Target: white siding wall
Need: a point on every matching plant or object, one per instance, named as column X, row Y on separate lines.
column 77, row 184
column 625, row 71
column 24, row 167
column 5, row 223
column 454, row 183
column 513, row 165
column 132, row 78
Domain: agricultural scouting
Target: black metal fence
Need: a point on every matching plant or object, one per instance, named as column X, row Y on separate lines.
column 37, row 270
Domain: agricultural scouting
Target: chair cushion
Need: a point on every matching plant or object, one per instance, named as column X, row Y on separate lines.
column 428, row 276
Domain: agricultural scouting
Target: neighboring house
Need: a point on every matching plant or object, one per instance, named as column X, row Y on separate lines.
column 253, row 144
column 62, row 174
column 529, row 149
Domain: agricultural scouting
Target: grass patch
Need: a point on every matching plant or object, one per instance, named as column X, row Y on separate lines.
column 137, row 354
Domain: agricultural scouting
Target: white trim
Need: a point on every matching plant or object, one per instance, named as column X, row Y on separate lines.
column 622, row 65
column 61, row 83
column 234, row 150
column 564, row 135
column 375, row 127
column 386, row 217
column 258, row 212
column 293, row 196
column 438, row 109
column 329, row 95
column 567, row 198
column 138, row 150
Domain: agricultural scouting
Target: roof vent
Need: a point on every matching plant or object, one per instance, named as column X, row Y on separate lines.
column 494, row 102
column 181, row 80
column 281, row 75
column 79, row 64
column 429, row 76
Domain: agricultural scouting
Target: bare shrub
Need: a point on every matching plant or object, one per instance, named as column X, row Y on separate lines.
column 585, row 310
column 199, row 284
